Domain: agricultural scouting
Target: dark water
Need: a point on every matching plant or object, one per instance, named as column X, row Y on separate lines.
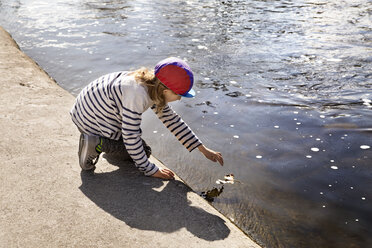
column 284, row 92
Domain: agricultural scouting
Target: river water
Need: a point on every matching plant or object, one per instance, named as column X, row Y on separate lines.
column 284, row 92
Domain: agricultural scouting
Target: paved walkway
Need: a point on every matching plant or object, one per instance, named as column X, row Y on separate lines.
column 45, row 199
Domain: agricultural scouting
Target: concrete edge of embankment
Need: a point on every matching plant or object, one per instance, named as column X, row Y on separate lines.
column 47, row 206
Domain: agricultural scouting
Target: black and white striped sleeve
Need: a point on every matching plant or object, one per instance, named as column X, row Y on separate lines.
column 178, row 127
column 132, row 115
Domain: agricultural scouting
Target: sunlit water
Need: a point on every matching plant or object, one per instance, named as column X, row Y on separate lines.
column 284, row 92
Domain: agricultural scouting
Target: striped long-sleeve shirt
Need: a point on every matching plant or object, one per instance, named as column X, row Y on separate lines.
column 112, row 106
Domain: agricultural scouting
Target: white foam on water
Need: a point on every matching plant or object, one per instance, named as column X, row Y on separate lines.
column 315, row 149
column 200, row 47
column 334, row 60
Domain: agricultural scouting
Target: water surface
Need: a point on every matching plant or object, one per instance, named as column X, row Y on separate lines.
column 284, row 92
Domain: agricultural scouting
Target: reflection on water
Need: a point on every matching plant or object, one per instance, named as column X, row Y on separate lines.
column 209, row 195
column 284, row 92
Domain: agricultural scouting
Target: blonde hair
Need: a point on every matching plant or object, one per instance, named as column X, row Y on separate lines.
column 155, row 88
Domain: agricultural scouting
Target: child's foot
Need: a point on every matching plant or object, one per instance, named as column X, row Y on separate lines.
column 88, row 155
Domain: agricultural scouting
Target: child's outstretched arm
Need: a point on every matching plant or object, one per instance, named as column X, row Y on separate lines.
column 178, row 127
column 184, row 134
column 211, row 155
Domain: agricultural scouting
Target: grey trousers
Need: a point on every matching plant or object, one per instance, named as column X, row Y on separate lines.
column 117, row 147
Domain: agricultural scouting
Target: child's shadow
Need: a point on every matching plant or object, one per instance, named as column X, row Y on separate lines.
column 150, row 203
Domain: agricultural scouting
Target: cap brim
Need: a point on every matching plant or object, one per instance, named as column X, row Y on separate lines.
column 189, row 94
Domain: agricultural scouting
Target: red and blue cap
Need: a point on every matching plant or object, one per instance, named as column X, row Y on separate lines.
column 176, row 75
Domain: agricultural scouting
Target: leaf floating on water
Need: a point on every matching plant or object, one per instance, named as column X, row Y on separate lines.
column 219, row 181
column 227, row 179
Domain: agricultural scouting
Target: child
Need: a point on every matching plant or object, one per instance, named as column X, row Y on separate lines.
column 108, row 114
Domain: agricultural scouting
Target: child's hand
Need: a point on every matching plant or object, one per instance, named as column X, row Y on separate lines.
column 164, row 174
column 211, row 155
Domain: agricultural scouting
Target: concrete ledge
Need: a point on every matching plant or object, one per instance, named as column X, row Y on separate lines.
column 45, row 199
